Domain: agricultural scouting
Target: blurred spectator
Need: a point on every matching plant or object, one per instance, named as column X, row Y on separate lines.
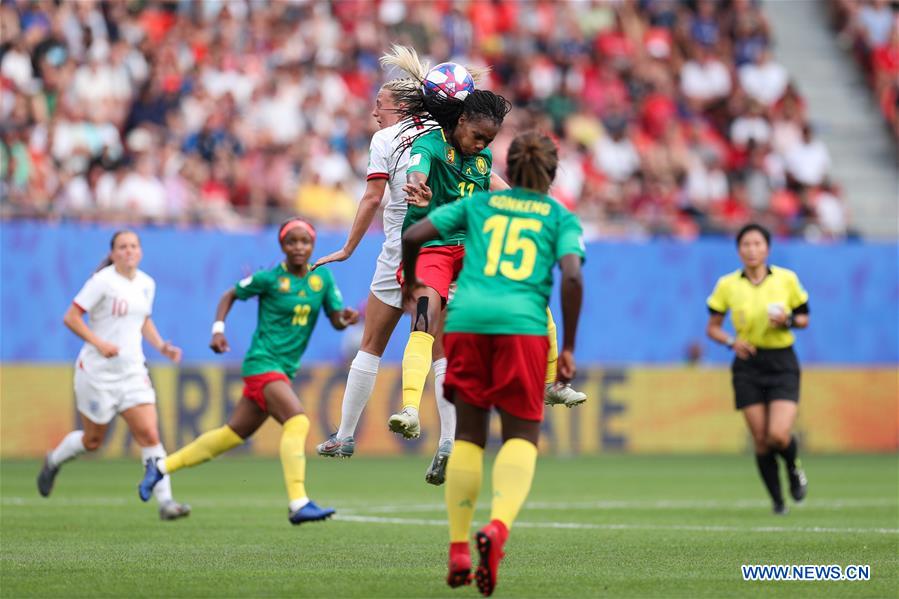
column 751, row 127
column 704, row 79
column 808, row 162
column 671, row 117
column 615, row 155
column 875, row 19
column 764, row 80
column 871, row 28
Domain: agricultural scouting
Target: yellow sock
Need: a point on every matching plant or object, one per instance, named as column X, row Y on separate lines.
column 293, row 455
column 203, row 448
column 513, row 472
column 416, row 365
column 463, row 483
column 552, row 357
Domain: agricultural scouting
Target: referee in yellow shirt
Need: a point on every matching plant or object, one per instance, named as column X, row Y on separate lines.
column 765, row 303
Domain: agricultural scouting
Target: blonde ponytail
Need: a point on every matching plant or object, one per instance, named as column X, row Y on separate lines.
column 406, row 59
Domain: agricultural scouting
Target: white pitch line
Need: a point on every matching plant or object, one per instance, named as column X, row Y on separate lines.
column 647, row 527
column 436, row 507
column 665, row 504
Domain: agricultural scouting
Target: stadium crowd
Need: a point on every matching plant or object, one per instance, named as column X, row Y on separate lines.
column 871, row 30
column 673, row 118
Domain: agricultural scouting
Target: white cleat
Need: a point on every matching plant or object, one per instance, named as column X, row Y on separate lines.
column 172, row 510
column 405, row 423
column 562, row 394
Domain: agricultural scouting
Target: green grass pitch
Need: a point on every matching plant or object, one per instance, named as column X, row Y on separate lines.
column 614, row 526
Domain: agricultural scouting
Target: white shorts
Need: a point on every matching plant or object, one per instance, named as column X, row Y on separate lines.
column 100, row 401
column 384, row 285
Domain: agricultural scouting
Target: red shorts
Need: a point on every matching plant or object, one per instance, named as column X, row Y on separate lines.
column 503, row 371
column 254, row 385
column 437, row 267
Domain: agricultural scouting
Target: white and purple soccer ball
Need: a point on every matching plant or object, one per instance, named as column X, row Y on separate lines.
column 449, row 80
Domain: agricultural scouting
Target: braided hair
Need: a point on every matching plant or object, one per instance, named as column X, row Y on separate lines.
column 532, row 161
column 437, row 111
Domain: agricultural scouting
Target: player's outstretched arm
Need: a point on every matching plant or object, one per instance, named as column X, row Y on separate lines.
column 497, row 183
column 365, row 214
column 572, row 297
column 74, row 319
column 341, row 319
column 219, row 344
column 167, row 349
column 417, row 191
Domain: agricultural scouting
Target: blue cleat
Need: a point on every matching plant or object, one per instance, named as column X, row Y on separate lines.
column 152, row 475
column 310, row 513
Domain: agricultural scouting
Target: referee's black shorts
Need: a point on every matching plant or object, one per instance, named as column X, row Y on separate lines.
column 768, row 375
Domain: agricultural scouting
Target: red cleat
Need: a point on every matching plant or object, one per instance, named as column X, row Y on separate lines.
column 490, row 540
column 459, row 565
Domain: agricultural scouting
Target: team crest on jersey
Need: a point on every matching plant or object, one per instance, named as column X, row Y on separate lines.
column 315, row 282
column 451, row 155
column 481, row 164
column 283, row 284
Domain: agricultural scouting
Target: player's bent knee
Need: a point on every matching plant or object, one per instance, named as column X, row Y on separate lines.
column 422, row 321
column 778, row 440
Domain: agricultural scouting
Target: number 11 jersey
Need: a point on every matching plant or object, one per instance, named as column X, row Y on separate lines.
column 451, row 177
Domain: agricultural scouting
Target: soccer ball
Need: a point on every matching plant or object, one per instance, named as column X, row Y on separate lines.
column 449, row 80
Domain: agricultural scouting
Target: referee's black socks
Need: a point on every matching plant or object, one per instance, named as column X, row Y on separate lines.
column 767, row 463
column 789, row 453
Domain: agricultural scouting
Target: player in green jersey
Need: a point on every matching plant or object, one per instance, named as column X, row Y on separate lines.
column 448, row 162
column 496, row 341
column 290, row 299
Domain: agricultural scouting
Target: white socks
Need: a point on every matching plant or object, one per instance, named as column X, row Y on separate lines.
column 359, row 385
column 69, row 448
column 163, row 489
column 446, row 409
column 361, row 382
column 297, row 504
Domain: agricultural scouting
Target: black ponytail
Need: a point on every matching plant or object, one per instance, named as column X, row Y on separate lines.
column 443, row 112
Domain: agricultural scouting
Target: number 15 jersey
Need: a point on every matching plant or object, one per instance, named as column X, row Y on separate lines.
column 514, row 238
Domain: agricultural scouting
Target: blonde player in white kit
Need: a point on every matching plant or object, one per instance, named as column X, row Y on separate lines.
column 110, row 373
column 389, row 157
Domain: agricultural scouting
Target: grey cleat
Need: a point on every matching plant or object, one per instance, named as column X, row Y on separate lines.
column 46, row 477
column 172, row 510
column 405, row 423
column 562, row 394
column 337, row 448
column 436, row 474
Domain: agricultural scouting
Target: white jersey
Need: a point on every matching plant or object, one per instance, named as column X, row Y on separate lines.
column 117, row 309
column 389, row 159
